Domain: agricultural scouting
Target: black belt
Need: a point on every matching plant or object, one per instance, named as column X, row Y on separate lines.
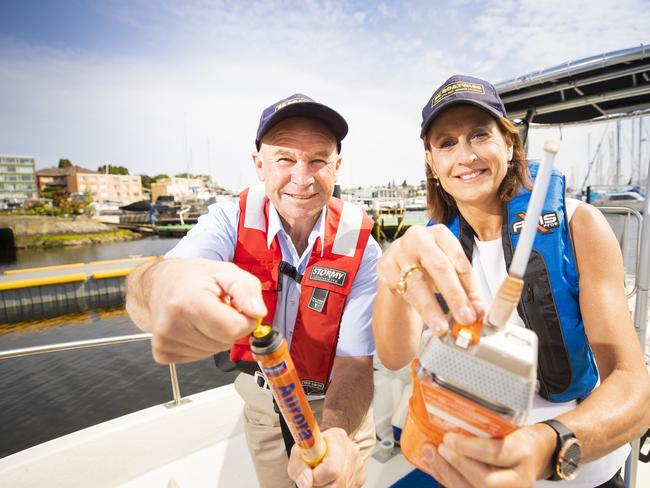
column 222, row 361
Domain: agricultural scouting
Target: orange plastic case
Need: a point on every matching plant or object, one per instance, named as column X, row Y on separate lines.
column 435, row 410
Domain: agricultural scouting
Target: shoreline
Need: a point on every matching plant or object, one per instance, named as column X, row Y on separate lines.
column 62, row 240
column 36, row 231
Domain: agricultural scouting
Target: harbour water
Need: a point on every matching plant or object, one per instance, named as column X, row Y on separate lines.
column 47, row 396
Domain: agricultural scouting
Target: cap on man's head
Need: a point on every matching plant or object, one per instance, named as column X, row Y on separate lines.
column 299, row 105
column 462, row 89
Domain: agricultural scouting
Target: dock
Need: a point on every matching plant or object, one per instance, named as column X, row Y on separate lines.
column 392, row 223
column 48, row 291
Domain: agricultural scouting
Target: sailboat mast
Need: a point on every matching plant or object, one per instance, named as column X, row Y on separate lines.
column 617, row 174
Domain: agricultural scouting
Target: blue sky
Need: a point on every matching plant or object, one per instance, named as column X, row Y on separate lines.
column 124, row 81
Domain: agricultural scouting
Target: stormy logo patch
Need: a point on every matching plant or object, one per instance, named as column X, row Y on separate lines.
column 328, row 275
column 457, row 87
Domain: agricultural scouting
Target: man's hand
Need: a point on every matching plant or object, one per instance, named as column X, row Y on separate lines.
column 342, row 466
column 517, row 460
column 193, row 307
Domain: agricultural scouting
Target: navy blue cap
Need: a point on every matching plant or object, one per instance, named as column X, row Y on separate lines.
column 462, row 89
column 299, row 105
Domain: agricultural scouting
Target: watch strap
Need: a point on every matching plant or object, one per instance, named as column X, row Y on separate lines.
column 562, row 430
column 563, row 433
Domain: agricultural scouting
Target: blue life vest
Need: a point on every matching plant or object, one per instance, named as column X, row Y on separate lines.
column 549, row 303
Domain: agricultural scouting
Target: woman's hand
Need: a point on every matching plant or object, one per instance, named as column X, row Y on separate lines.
column 442, row 268
column 518, row 460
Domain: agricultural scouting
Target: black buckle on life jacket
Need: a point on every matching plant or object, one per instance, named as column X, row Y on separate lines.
column 644, row 457
column 290, row 271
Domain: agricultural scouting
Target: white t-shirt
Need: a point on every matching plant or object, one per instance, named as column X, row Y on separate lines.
column 488, row 262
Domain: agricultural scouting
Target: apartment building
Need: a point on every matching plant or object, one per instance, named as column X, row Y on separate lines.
column 57, row 177
column 17, row 179
column 118, row 189
column 122, row 189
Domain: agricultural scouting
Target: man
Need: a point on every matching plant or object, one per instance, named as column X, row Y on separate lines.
column 302, row 260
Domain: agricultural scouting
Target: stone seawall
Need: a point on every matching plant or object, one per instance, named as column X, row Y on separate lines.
column 42, row 231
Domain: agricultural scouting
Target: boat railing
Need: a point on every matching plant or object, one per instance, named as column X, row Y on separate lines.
column 92, row 343
column 626, row 231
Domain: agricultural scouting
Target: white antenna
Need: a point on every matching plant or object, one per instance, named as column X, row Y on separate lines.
column 528, row 232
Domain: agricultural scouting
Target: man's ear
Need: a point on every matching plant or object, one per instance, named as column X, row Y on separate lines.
column 337, row 163
column 258, row 163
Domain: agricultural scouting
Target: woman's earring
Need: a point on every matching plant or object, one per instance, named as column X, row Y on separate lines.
column 435, row 177
column 510, row 164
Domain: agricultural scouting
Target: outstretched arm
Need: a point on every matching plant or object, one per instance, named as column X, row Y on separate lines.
column 193, row 307
column 617, row 411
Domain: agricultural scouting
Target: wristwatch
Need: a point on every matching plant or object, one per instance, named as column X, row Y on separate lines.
column 565, row 462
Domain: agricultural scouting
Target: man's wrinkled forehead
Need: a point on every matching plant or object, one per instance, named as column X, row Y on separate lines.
column 301, row 130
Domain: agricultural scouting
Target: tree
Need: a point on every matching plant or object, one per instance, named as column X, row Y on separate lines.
column 113, row 170
column 191, row 176
column 64, row 163
column 146, row 181
column 161, row 176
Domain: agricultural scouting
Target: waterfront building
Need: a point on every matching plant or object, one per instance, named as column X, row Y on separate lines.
column 103, row 188
column 17, row 180
column 57, row 178
column 180, row 188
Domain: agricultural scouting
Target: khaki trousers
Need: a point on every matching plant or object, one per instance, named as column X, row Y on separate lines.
column 264, row 436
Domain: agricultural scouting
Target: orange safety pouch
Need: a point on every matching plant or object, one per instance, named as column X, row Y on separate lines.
column 435, row 410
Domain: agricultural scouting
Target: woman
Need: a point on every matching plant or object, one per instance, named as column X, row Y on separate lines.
column 476, row 176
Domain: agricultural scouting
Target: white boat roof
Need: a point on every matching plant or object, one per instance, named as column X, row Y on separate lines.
column 609, row 85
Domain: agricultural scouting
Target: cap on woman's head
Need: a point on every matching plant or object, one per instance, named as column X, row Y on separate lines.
column 462, row 89
column 299, row 105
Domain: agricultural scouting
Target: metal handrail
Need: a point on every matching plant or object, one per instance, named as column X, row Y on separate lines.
column 628, row 211
column 92, row 343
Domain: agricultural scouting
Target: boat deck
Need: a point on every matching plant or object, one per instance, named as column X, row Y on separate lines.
column 197, row 444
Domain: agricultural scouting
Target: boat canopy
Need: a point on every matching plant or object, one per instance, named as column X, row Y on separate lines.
column 602, row 87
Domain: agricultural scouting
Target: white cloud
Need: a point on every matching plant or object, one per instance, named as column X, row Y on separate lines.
column 219, row 63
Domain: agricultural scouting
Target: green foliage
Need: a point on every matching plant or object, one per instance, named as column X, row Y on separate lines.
column 64, row 163
column 191, row 176
column 113, row 170
column 146, row 181
column 58, row 203
column 161, row 176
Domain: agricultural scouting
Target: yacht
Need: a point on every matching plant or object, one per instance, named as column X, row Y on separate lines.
column 198, row 441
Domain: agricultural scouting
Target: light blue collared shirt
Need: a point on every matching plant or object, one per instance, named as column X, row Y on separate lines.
column 215, row 237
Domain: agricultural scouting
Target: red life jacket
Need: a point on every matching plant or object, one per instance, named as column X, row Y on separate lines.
column 324, row 287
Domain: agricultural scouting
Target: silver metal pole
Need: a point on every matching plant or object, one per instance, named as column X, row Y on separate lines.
column 617, row 178
column 176, row 391
column 639, row 175
column 68, row 346
column 640, row 321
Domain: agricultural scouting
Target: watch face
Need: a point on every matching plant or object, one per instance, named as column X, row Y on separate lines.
column 568, row 460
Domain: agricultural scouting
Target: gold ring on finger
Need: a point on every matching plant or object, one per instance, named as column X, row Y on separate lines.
column 402, row 284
